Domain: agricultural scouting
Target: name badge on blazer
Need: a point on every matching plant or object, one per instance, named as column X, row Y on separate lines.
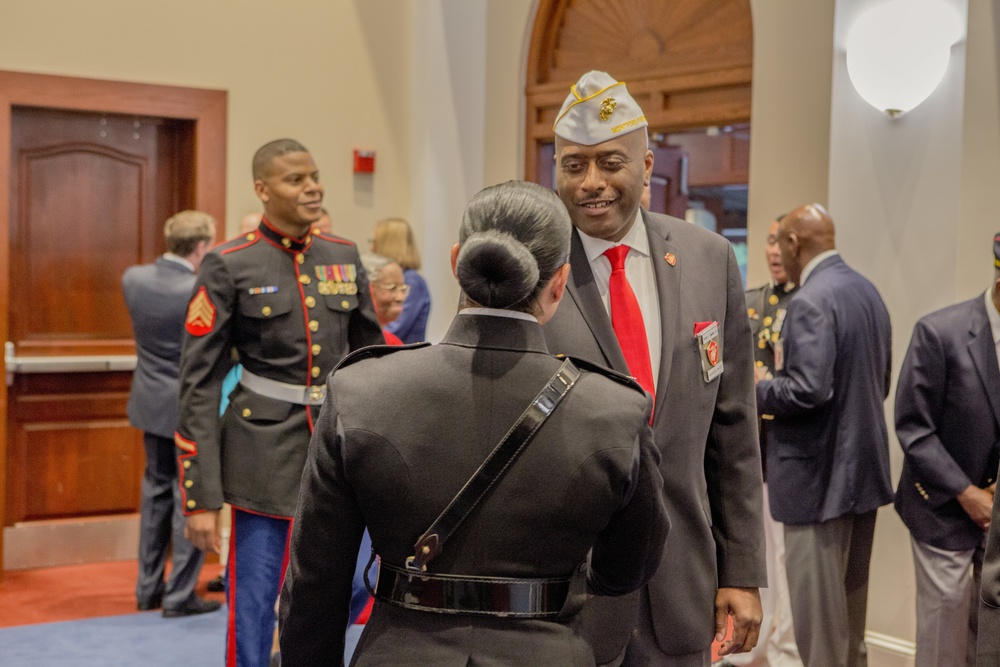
column 707, row 335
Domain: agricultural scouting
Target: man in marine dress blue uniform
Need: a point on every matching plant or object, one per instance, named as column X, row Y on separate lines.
column 685, row 336
column 292, row 304
column 157, row 296
column 948, row 423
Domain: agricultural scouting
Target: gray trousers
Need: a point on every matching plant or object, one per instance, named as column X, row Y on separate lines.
column 947, row 604
column 828, row 585
column 161, row 518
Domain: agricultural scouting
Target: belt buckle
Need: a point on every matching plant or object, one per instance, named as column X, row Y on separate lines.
column 315, row 394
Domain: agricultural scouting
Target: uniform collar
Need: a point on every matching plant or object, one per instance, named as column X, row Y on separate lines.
column 498, row 333
column 289, row 243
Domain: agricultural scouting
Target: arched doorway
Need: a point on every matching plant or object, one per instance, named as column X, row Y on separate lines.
column 688, row 63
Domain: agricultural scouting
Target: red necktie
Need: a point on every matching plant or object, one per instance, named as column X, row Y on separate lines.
column 626, row 318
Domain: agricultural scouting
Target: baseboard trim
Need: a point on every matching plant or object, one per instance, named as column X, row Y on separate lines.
column 32, row 544
column 890, row 644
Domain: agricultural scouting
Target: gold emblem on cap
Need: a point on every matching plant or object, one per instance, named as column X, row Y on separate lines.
column 773, row 299
column 607, row 108
column 265, row 311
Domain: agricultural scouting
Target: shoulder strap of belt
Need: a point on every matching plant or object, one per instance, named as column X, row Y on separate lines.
column 494, row 467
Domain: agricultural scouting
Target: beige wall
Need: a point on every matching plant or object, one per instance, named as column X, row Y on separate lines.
column 327, row 73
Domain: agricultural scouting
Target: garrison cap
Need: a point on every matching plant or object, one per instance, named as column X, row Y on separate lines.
column 598, row 109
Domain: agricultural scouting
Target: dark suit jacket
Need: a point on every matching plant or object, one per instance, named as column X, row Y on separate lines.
column 948, row 423
column 706, row 432
column 157, row 297
column 399, row 436
column 829, row 454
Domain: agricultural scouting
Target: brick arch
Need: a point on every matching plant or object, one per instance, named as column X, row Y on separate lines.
column 687, row 62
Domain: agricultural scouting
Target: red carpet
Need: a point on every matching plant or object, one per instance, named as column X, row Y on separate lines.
column 76, row 592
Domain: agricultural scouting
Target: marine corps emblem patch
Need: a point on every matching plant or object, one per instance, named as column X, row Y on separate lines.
column 201, row 314
column 608, row 107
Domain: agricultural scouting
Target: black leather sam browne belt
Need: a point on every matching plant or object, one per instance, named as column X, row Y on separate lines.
column 414, row 588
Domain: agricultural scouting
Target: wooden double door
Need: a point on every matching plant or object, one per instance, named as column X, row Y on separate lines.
column 89, row 191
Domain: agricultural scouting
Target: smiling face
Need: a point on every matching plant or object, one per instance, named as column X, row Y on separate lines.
column 389, row 292
column 601, row 185
column 291, row 192
column 773, row 252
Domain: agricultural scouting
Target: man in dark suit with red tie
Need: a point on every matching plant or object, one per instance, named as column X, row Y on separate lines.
column 662, row 300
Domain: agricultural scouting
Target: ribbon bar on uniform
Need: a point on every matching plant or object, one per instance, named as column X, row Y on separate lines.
column 282, row 391
column 483, row 596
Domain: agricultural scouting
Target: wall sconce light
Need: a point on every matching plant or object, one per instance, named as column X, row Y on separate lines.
column 898, row 51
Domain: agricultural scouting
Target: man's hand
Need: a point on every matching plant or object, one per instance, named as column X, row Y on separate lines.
column 978, row 504
column 202, row 530
column 743, row 604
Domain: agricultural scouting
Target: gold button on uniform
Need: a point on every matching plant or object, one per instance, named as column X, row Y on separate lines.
column 315, row 371
column 300, row 258
column 767, row 321
column 773, row 299
column 246, row 412
column 316, row 349
column 345, row 304
column 760, row 364
column 190, row 504
column 304, row 279
column 311, row 301
column 266, row 310
column 251, row 236
column 187, row 464
column 313, row 326
column 188, row 484
column 286, row 242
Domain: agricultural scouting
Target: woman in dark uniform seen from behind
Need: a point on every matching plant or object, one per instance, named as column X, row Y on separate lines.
column 402, row 431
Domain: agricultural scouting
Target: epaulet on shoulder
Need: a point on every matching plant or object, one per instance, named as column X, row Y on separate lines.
column 375, row 352
column 335, row 239
column 591, row 367
column 238, row 243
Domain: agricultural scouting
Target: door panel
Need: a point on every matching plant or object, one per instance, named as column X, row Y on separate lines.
column 90, row 194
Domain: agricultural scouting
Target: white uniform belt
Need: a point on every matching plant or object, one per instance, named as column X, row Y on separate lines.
column 282, row 391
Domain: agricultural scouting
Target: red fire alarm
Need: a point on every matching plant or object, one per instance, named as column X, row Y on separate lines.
column 364, row 162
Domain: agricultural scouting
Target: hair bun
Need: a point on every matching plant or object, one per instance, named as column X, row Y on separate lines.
column 495, row 269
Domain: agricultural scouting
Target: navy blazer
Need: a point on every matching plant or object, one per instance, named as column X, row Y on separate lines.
column 157, row 298
column 829, row 451
column 948, row 422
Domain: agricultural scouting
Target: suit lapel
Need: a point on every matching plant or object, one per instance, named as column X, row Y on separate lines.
column 984, row 356
column 587, row 297
column 668, row 289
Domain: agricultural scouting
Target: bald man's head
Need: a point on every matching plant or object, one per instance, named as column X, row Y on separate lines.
column 804, row 233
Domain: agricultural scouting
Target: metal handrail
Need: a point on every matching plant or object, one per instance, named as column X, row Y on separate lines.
column 65, row 364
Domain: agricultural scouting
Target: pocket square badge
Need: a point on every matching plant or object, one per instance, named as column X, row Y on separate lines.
column 707, row 334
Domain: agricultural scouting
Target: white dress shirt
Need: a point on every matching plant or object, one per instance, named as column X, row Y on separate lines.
column 814, row 262
column 994, row 317
column 639, row 272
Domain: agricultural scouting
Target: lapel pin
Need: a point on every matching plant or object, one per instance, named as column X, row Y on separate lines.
column 671, row 258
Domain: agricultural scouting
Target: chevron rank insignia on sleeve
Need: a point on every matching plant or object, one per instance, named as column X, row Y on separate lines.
column 201, row 314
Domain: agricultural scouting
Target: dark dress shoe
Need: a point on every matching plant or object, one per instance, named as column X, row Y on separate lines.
column 216, row 585
column 154, row 602
column 194, row 605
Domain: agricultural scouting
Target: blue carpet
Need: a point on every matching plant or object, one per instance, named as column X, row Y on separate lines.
column 145, row 640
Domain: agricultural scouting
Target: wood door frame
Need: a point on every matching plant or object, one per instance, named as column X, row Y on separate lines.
column 207, row 108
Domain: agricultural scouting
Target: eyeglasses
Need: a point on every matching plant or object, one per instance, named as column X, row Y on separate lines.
column 402, row 288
